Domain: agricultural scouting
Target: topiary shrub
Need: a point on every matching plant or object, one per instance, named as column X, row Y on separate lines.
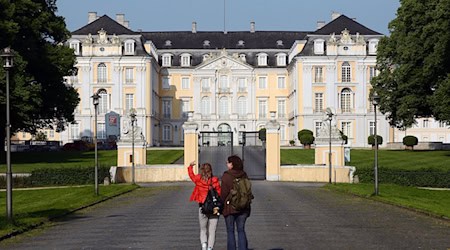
column 292, row 142
column 262, row 134
column 371, row 140
column 410, row 141
column 306, row 137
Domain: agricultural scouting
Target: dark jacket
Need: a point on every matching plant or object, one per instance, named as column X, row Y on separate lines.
column 227, row 184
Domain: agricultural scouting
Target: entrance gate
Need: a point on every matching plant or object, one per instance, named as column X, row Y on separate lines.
column 253, row 154
column 214, row 148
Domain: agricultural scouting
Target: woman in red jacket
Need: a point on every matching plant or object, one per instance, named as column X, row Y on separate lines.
column 208, row 223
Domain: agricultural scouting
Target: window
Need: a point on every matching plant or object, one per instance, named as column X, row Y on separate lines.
column 206, row 106
column 241, row 85
column 263, row 82
column 167, row 108
column 51, row 134
column 262, row 59
column 281, row 108
column 223, row 84
column 223, row 107
column 74, row 131
column 346, row 95
column 373, row 44
column 167, row 60
column 242, row 107
column 371, row 128
column 185, row 107
column 372, row 72
column 318, row 74
column 103, row 102
column 75, row 45
column 101, row 134
column 129, row 47
column 101, row 73
column 262, row 105
column 129, row 102
column 281, row 82
column 319, row 46
column 167, row 132
column 425, row 123
column 346, row 72
column 129, row 78
column 166, row 82
column 185, row 60
column 346, row 128
column 282, row 132
column 442, row 124
column 205, row 84
column 242, row 57
column 185, row 83
column 317, row 127
column 281, row 60
column 318, row 102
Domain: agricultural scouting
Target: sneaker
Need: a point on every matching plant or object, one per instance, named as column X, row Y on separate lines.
column 204, row 246
column 210, row 248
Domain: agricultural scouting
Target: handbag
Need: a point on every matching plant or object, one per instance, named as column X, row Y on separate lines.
column 212, row 205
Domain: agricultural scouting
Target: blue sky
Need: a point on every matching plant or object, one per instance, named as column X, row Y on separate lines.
column 178, row 15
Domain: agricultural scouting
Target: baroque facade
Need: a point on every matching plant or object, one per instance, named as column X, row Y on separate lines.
column 231, row 81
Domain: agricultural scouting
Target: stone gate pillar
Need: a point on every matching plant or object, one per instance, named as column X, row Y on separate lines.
column 190, row 140
column 273, row 149
column 125, row 148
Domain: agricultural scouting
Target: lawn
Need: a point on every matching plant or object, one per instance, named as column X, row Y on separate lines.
column 25, row 162
column 36, row 206
column 434, row 202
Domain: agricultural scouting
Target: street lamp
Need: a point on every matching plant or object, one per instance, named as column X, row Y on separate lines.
column 8, row 57
column 329, row 118
column 133, row 120
column 95, row 99
column 375, row 102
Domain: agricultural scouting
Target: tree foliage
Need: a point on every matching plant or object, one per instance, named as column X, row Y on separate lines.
column 38, row 96
column 414, row 63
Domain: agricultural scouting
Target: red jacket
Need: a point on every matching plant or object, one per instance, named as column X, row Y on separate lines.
column 201, row 186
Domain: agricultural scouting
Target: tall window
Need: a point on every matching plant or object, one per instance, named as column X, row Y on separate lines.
column 346, row 72
column 372, row 72
column 318, row 102
column 242, row 106
column 371, row 128
column 262, row 105
column 129, row 102
column 185, row 60
column 76, row 47
column 101, row 73
column 281, row 60
column 74, row 131
column 262, row 59
column 281, row 82
column 317, row 127
column 223, row 107
column 205, row 84
column 206, row 106
column 185, row 83
column 263, row 82
column 185, row 107
column 103, row 102
column 346, row 128
column 166, row 82
column 167, row 108
column 281, row 108
column 129, row 78
column 318, row 74
column 425, row 123
column 346, row 97
column 101, row 134
column 129, row 47
column 223, row 84
column 167, row 60
column 241, row 85
column 167, row 132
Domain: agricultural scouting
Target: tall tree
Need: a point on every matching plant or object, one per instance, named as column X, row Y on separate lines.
column 38, row 96
column 414, row 63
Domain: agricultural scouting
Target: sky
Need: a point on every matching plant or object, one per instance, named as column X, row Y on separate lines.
column 275, row 15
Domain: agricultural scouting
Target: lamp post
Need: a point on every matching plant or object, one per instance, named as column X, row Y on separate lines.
column 8, row 57
column 375, row 102
column 329, row 118
column 95, row 99
column 133, row 120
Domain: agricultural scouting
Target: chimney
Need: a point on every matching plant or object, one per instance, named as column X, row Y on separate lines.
column 320, row 24
column 335, row 15
column 252, row 27
column 92, row 16
column 120, row 18
column 194, row 27
column 126, row 24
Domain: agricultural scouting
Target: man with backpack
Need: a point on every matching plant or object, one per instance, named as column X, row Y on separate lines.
column 236, row 196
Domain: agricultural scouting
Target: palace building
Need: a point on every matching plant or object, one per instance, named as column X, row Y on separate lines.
column 231, row 81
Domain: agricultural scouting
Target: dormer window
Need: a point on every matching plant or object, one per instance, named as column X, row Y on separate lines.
column 129, row 47
column 319, row 45
column 281, row 59
column 168, row 43
column 262, row 59
column 242, row 57
column 166, row 60
column 373, row 44
column 75, row 45
column 280, row 43
column 185, row 60
column 206, row 44
column 206, row 57
column 241, row 43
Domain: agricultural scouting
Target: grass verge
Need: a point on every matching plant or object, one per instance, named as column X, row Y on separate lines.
column 431, row 202
column 34, row 207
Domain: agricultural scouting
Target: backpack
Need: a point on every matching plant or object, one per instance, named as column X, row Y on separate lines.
column 240, row 196
column 212, row 204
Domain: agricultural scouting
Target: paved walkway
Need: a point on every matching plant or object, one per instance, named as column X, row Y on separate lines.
column 284, row 216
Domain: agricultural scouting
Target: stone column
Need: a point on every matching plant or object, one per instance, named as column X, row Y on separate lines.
column 272, row 149
column 190, row 140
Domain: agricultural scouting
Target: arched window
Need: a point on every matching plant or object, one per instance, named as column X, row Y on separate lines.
column 223, row 107
column 101, row 73
column 346, row 100
column 166, row 60
column 262, row 59
column 346, row 72
column 185, row 60
column 242, row 106
column 206, row 106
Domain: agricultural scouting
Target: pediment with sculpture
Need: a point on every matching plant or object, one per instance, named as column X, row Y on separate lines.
column 223, row 60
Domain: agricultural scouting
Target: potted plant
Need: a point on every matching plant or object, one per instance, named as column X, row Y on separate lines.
column 306, row 138
column 371, row 140
column 410, row 141
column 292, row 142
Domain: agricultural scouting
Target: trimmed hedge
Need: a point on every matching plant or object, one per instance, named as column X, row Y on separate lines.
column 417, row 178
column 410, row 141
column 371, row 140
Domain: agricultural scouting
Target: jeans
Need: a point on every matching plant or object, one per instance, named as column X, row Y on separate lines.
column 239, row 220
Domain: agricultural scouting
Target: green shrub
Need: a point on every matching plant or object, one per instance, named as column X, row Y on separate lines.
column 262, row 134
column 304, row 131
column 410, row 140
column 306, row 139
column 18, row 182
column 415, row 178
column 371, row 140
column 67, row 176
column 292, row 142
